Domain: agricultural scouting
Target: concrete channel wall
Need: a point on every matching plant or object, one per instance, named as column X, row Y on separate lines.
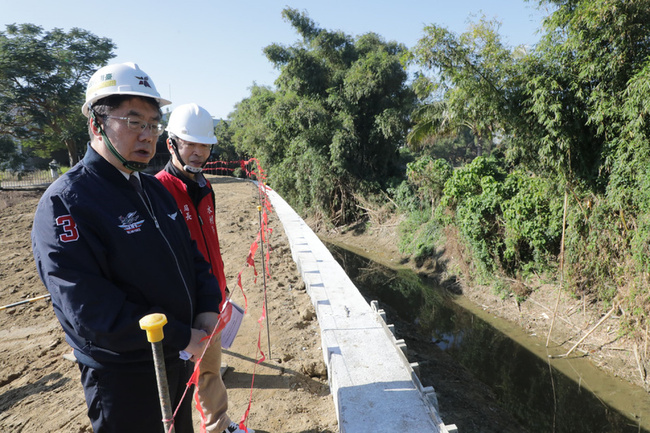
column 375, row 388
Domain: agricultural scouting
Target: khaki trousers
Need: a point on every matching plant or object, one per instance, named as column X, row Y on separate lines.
column 211, row 392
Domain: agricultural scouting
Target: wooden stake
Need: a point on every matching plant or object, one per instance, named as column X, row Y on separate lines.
column 4, row 307
column 638, row 363
column 266, row 306
column 559, row 289
column 605, row 317
column 645, row 346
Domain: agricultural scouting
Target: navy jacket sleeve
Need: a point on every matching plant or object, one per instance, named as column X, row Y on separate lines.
column 92, row 308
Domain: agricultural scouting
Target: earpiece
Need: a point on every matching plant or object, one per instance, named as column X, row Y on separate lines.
column 93, row 119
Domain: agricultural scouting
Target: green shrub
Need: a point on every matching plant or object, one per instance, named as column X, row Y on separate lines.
column 418, row 234
column 466, row 181
column 597, row 248
column 405, row 198
column 510, row 222
column 473, row 195
column 532, row 218
column 428, row 177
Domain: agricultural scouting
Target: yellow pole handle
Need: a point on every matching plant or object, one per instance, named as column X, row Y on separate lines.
column 153, row 324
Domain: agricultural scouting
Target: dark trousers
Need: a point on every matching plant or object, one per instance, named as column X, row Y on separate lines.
column 127, row 401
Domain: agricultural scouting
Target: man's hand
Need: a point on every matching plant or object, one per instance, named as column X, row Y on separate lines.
column 206, row 321
column 195, row 348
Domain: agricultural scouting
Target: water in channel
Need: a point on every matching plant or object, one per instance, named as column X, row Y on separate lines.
column 543, row 394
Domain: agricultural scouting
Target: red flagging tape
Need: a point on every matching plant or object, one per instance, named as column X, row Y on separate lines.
column 259, row 361
column 262, row 236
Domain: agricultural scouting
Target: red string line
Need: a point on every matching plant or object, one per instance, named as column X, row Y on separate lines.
column 224, row 317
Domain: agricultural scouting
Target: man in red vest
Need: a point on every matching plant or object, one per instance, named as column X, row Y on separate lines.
column 191, row 137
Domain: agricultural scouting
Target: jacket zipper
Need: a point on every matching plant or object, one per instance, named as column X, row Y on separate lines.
column 147, row 204
column 205, row 240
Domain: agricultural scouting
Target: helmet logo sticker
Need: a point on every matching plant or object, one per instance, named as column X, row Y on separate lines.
column 131, row 223
column 144, row 81
column 101, row 85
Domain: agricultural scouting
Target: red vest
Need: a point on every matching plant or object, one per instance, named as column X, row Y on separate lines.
column 201, row 223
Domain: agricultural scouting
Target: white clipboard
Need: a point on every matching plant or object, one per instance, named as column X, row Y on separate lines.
column 232, row 327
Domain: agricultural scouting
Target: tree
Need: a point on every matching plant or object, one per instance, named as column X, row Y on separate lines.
column 467, row 83
column 574, row 113
column 335, row 122
column 43, row 76
column 589, row 93
column 576, row 87
column 9, row 156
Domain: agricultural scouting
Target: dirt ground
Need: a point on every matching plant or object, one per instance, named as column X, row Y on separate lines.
column 40, row 390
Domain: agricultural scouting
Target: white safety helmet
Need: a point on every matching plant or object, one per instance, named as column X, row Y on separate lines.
column 192, row 123
column 120, row 79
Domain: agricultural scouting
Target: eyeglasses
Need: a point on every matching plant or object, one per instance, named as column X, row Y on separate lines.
column 193, row 145
column 139, row 126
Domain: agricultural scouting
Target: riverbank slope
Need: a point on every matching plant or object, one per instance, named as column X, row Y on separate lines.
column 601, row 333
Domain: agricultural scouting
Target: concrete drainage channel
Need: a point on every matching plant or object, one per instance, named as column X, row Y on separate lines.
column 375, row 388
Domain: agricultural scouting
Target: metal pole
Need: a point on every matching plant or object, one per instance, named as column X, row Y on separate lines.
column 4, row 307
column 153, row 324
column 268, row 332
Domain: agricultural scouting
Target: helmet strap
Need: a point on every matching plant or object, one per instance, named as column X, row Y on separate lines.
column 195, row 170
column 130, row 165
column 186, row 167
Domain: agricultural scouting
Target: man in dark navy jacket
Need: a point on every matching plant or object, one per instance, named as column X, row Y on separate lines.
column 111, row 248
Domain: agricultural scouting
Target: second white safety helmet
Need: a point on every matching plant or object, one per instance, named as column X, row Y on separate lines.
column 192, row 123
column 120, row 79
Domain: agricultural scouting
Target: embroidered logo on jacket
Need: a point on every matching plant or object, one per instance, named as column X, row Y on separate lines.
column 172, row 215
column 211, row 213
column 131, row 223
column 188, row 214
column 70, row 232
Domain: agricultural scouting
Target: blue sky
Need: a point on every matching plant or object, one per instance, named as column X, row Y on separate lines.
column 210, row 51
